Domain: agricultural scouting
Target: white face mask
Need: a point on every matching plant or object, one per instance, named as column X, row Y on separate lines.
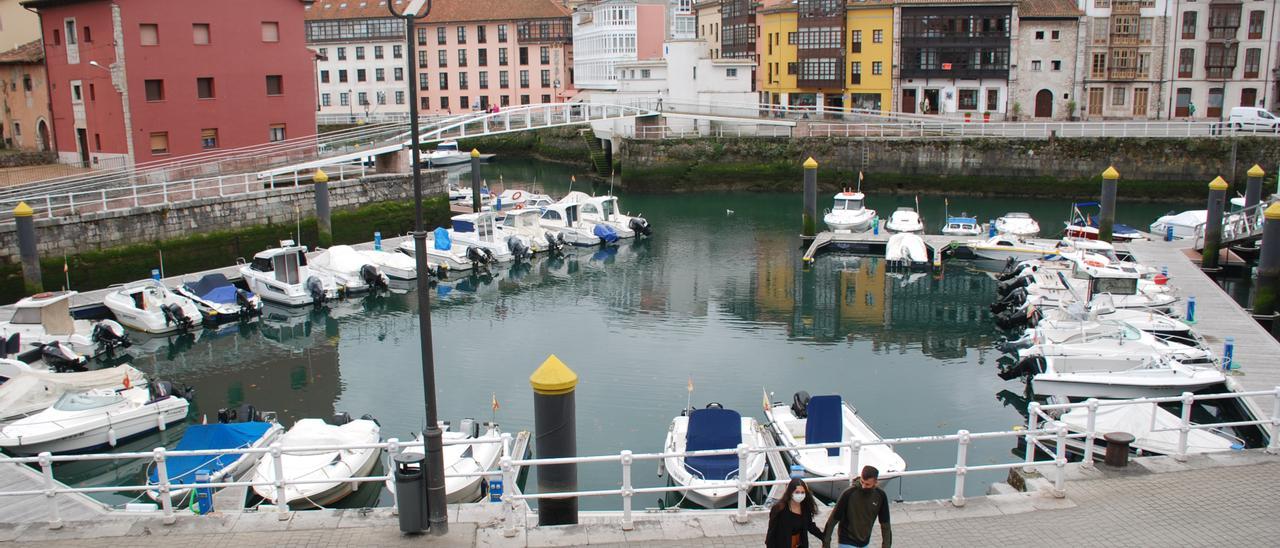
column 798, row 497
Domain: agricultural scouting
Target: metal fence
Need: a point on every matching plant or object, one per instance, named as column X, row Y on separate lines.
column 1237, row 225
column 718, row 131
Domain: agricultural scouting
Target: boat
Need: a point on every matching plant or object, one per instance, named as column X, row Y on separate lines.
column 1117, row 376
column 848, row 213
column 905, row 219
column 828, row 419
column 565, row 220
column 281, row 275
column 29, row 389
column 244, row 428
column 604, row 209
column 443, row 256
column 330, row 469
column 481, row 230
column 467, row 453
column 350, row 269
column 1003, row 247
column 1047, row 284
column 45, row 318
column 219, row 300
column 963, row 225
column 713, row 478
column 150, row 307
column 1103, row 338
column 1155, row 431
column 447, row 154
column 907, row 249
column 512, row 199
column 1101, row 307
column 527, row 223
column 1184, row 225
column 1085, row 226
column 92, row 419
column 1017, row 223
column 396, row 266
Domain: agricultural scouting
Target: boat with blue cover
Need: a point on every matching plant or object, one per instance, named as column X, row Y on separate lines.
column 1085, row 226
column 236, row 429
column 713, row 479
column 219, row 300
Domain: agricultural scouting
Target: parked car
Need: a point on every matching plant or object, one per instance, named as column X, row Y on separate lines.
column 1249, row 120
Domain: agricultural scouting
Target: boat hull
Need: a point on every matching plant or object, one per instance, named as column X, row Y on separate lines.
column 99, row 437
column 1096, row 386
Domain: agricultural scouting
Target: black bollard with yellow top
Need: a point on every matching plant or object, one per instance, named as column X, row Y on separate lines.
column 1213, row 225
column 324, row 222
column 1107, row 213
column 810, row 220
column 475, row 180
column 555, row 436
column 1266, row 294
column 23, row 216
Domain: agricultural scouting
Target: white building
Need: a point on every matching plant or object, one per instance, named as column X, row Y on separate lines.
column 609, row 32
column 1122, row 58
column 360, row 63
column 1220, row 56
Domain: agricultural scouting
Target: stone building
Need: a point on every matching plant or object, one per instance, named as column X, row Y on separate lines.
column 24, row 89
column 1123, row 58
column 360, row 67
column 1043, row 85
column 955, row 56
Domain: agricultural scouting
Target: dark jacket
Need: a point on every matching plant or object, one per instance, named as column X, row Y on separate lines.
column 783, row 523
column 856, row 512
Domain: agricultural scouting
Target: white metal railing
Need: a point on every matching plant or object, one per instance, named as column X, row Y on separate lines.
column 1237, row 225
column 735, row 130
column 1030, row 130
column 529, row 117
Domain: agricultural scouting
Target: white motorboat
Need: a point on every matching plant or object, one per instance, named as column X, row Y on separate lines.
column 511, row 199
column 232, row 431
column 962, row 226
column 1103, row 338
column 150, row 307
column 220, row 300
column 447, row 154
column 281, row 275
column 80, row 421
column 564, row 219
column 444, row 256
column 481, row 230
column 713, row 478
column 849, row 213
column 27, row 390
column 907, row 249
column 350, row 269
column 1003, row 247
column 466, row 451
column 828, row 419
column 397, row 266
column 1047, row 284
column 604, row 209
column 332, row 470
column 905, row 219
column 46, row 318
column 1083, row 225
column 1155, row 431
column 1117, row 376
column 1184, row 224
column 527, row 223
column 1017, row 223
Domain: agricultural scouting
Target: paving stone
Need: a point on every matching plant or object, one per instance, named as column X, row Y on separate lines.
column 558, row 535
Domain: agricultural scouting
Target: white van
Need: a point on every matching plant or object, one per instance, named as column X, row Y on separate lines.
column 1252, row 119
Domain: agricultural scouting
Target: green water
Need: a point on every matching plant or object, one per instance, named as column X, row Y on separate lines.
column 713, row 297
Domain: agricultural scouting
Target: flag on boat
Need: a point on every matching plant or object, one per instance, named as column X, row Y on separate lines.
column 64, row 264
column 494, row 403
column 127, row 384
column 764, row 398
column 690, row 383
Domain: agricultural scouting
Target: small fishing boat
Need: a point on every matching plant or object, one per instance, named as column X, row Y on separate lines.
column 905, row 219
column 713, row 477
column 281, row 275
column 443, row 256
column 604, row 209
column 332, row 470
column 1103, row 338
column 219, row 300
column 1116, row 376
column 1184, row 224
column 1003, row 247
column 527, row 223
column 350, row 269
column 1155, row 431
column 565, row 220
column 1017, row 223
column 828, row 419
column 512, row 199
column 45, row 318
column 28, row 389
column 466, row 451
column 907, row 249
column 1085, row 226
column 236, row 429
column 150, row 307
column 81, row 421
column 964, row 225
column 447, row 154
column 396, row 266
column 848, row 213
column 481, row 230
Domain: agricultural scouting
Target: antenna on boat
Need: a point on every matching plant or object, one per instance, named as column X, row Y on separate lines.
column 688, row 402
column 859, row 180
column 161, row 251
column 611, row 181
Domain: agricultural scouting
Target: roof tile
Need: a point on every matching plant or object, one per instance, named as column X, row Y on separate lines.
column 30, row 52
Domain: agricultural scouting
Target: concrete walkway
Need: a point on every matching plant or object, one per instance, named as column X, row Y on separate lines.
column 1220, row 500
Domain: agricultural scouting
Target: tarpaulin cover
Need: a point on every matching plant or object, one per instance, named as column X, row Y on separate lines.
column 214, row 288
column 826, row 422
column 713, row 429
column 606, row 233
column 182, row 470
column 443, row 243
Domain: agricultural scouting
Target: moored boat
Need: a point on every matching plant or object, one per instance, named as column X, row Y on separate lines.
column 1017, row 223
column 244, row 428
column 905, row 219
column 281, row 275
column 467, row 452
column 28, row 390
column 81, row 421
column 327, row 471
column 350, row 269
column 220, row 300
column 848, row 213
column 150, row 307
column 713, row 478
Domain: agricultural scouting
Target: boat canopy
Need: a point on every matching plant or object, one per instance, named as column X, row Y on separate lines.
column 50, row 310
column 825, row 423
column 447, row 146
column 962, row 220
column 200, row 437
column 851, row 202
column 713, row 429
column 214, row 288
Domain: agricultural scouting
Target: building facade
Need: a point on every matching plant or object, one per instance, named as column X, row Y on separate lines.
column 871, row 61
column 18, row 26
column 24, row 89
column 1123, row 59
column 135, row 81
column 955, row 56
column 685, row 74
column 709, row 24
column 476, row 54
column 609, row 32
column 1043, row 85
column 360, row 61
column 1220, row 55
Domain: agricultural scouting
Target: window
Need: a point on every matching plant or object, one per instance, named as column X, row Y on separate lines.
column 1146, row 26
column 1055, row 35
column 1220, row 60
column 57, row 37
column 148, row 35
column 426, row 103
column 209, row 138
column 75, row 93
column 1144, row 64
column 71, row 31
column 325, row 99
column 484, row 80
column 382, row 97
column 422, row 58
column 524, row 99
column 524, row 56
column 462, row 57
column 359, row 53
column 464, row 102
column 480, row 34
column 422, row 36
column 1055, row 65
column 440, row 39
column 855, row 43
column 444, row 80
column 505, row 100
column 342, row 54
column 546, row 98
column 204, row 88
column 93, row 96
column 342, row 75
column 545, row 77
column 993, row 99
column 160, row 142
column 398, row 74
column 968, row 99
column 462, row 35
column 444, row 103
column 422, row 81
column 1035, row 65
column 399, row 97
column 877, row 36
column 1123, row 24
column 1117, row 97
column 26, row 83
column 1101, row 30
column 482, row 58
column 1252, row 60
column 502, row 56
column 275, row 84
column 503, row 81
column 1186, row 62
column 728, row 73
column 324, row 77
column 1039, row 35
column 462, row 80
column 270, row 31
column 324, row 52
column 361, row 75
column 855, row 72
column 397, row 51
column 380, row 75
column 524, row 78
column 377, row 52
column 1188, row 25
column 877, row 67
column 644, row 73
column 200, row 34
column 1256, row 19
column 1098, row 69
column 502, row 33
column 362, row 99
column 155, row 89
column 275, row 133
column 544, row 55
column 442, row 58
column 344, row 99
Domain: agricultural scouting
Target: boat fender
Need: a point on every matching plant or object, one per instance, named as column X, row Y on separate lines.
column 340, row 418
column 160, row 421
column 800, row 404
column 111, row 437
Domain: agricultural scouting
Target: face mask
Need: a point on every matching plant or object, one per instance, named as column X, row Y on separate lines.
column 798, row 497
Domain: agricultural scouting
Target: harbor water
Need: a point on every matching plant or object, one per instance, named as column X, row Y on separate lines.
column 716, row 298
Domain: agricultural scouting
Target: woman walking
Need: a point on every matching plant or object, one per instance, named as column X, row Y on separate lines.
column 792, row 517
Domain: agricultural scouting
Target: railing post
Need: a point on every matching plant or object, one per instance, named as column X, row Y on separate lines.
column 50, row 490
column 855, row 461
column 508, row 498
column 162, row 471
column 164, row 191
column 1090, row 434
column 48, row 203
column 962, row 456
column 71, row 202
column 393, row 451
column 1060, row 461
column 627, row 524
column 277, row 460
column 104, row 199
column 741, row 515
column 1274, row 446
column 1033, row 421
column 219, row 187
column 1185, row 428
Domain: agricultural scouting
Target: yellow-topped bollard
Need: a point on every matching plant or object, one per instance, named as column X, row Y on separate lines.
column 1107, row 213
column 475, row 180
column 1209, row 258
column 555, row 436
column 1218, row 183
column 811, row 163
column 23, row 210
column 324, row 222
column 1110, row 173
column 1253, row 189
column 23, row 216
column 1272, row 212
column 1267, row 290
column 809, row 219
column 475, row 153
column 320, row 176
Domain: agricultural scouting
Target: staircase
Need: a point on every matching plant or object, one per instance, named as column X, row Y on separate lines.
column 594, row 150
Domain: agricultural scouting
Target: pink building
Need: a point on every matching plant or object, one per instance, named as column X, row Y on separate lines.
column 134, row 81
column 473, row 54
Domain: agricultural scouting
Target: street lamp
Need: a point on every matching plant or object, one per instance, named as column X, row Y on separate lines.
column 438, row 516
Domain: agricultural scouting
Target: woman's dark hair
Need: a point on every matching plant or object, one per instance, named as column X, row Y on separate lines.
column 808, row 507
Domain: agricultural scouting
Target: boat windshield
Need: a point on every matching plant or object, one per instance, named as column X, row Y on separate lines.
column 447, row 147
column 86, row 401
column 1017, row 215
column 847, row 204
column 608, row 208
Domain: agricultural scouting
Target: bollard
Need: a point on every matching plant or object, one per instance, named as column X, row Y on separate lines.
column 1253, row 187
column 1107, row 217
column 810, row 219
column 475, row 180
column 23, row 217
column 555, row 436
column 1191, row 309
column 377, row 241
column 1268, row 278
column 324, row 223
column 1117, row 454
column 1213, row 225
column 1228, row 354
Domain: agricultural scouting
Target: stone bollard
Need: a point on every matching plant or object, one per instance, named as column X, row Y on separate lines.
column 1268, row 279
column 324, row 223
column 31, row 279
column 475, row 180
column 810, row 219
column 1107, row 217
column 1213, row 225
column 555, row 436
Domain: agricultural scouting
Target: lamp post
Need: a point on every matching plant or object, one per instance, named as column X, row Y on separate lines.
column 438, row 516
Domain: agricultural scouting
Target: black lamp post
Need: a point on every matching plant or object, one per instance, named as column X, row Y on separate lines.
column 438, row 515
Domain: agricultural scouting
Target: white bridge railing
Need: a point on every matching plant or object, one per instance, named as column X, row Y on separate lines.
column 1042, row 428
column 1236, row 225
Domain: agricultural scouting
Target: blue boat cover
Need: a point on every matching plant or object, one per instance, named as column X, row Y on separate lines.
column 182, row 470
column 460, row 225
column 970, row 220
column 713, row 429
column 443, row 243
column 826, row 422
column 214, row 288
column 606, row 233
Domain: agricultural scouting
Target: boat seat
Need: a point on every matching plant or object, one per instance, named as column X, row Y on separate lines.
column 826, row 422
column 713, row 429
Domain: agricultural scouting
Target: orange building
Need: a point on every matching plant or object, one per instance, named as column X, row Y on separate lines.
column 25, row 118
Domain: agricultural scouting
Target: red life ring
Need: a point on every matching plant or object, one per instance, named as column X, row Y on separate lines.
column 516, row 195
column 520, row 205
column 1094, row 263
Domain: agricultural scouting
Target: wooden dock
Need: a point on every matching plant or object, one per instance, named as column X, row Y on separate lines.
column 870, row 243
column 35, row 508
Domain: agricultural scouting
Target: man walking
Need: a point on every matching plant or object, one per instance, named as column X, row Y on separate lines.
column 857, row 510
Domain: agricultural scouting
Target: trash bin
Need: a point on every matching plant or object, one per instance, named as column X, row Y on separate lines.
column 411, row 492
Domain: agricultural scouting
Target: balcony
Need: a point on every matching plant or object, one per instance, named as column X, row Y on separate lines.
column 1122, row 73
column 1124, row 40
column 1126, row 7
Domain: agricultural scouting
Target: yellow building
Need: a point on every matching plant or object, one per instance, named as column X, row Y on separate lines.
column 869, row 26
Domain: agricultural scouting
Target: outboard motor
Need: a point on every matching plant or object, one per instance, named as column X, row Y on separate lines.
column 1025, row 368
column 517, row 247
column 173, row 315
column 316, row 288
column 481, row 257
column 641, row 226
column 12, row 346
column 245, row 300
column 61, row 358
column 109, row 335
column 800, row 404
column 367, row 417
column 1013, row 346
column 554, row 245
column 1003, row 288
column 340, row 418
column 160, row 390
column 244, row 413
column 373, row 277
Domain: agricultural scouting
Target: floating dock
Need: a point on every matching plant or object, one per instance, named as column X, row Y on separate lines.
column 871, row 243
